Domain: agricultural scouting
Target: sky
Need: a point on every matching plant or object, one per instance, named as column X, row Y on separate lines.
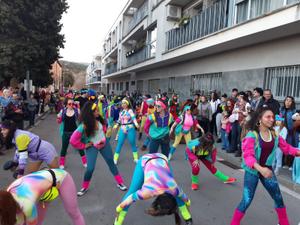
column 85, row 25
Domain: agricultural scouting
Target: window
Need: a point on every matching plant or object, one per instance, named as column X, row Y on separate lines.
column 153, row 35
column 121, row 86
column 283, row 81
column 260, row 7
column 153, row 85
column 113, row 86
column 171, row 85
column 205, row 83
column 117, row 86
column 132, row 83
column 242, row 11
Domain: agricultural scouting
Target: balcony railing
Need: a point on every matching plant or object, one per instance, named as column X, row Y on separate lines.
column 258, row 8
column 110, row 69
column 210, row 20
column 140, row 56
column 138, row 16
column 93, row 79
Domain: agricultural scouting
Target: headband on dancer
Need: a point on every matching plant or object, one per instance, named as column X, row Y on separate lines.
column 161, row 104
column 186, row 108
column 124, row 101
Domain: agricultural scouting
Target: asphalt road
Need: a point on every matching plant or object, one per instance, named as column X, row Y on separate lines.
column 212, row 204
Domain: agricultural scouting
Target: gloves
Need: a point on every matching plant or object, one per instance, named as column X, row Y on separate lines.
column 10, row 165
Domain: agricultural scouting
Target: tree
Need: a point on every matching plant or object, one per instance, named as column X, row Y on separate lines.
column 68, row 79
column 30, row 38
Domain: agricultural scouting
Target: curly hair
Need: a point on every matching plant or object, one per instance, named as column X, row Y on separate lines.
column 165, row 204
column 88, row 119
column 253, row 123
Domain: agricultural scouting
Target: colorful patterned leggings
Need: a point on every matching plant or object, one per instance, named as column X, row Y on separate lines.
column 67, row 193
column 250, row 184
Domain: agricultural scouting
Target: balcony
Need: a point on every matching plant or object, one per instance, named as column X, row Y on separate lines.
column 91, row 80
column 137, row 17
column 210, row 20
column 110, row 68
column 258, row 8
column 140, row 56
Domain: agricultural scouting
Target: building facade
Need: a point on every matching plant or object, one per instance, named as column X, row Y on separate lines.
column 94, row 75
column 190, row 46
column 56, row 73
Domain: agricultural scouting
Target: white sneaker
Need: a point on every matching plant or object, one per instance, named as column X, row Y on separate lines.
column 82, row 192
column 84, row 165
column 61, row 167
column 122, row 187
column 170, row 157
column 115, row 162
column 291, row 168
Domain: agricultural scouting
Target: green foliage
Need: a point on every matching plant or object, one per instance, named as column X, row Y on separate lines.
column 30, row 38
column 68, row 79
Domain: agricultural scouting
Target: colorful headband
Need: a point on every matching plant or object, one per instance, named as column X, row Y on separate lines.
column 3, row 126
column 279, row 118
column 125, row 101
column 94, row 106
column 160, row 103
column 150, row 101
column 187, row 107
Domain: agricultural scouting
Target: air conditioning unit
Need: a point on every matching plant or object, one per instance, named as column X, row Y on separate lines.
column 173, row 12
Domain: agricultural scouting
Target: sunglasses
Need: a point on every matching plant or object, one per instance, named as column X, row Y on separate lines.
column 71, row 104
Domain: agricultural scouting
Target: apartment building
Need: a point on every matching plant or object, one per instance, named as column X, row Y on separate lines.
column 93, row 77
column 190, row 46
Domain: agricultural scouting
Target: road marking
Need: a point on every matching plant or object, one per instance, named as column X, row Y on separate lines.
column 290, row 192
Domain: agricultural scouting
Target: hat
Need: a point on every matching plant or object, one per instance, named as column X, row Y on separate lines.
column 83, row 91
column 161, row 103
column 91, row 92
column 150, row 101
column 279, row 118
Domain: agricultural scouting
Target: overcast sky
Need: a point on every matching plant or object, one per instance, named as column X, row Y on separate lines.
column 85, row 25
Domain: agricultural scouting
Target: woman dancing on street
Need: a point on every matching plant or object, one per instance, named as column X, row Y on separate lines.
column 183, row 126
column 157, row 127
column 259, row 149
column 90, row 136
column 68, row 118
column 153, row 178
column 29, row 147
column 203, row 149
column 127, row 121
column 26, row 200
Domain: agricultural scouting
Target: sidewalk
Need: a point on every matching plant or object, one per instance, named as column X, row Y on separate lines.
column 284, row 177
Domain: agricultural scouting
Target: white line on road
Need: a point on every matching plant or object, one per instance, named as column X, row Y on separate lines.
column 290, row 192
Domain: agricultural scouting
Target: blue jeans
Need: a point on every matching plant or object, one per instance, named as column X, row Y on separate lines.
column 250, row 184
column 278, row 159
column 235, row 143
column 146, row 142
column 163, row 142
column 224, row 138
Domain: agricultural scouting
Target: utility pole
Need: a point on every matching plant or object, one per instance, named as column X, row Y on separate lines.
column 27, row 83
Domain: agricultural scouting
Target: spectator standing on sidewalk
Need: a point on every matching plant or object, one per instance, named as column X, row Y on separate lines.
column 205, row 114
column 38, row 99
column 239, row 113
column 257, row 98
column 32, row 105
column 287, row 111
column 269, row 101
column 221, row 107
column 234, row 94
column 214, row 102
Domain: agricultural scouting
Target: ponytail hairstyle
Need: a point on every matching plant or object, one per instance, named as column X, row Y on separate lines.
column 165, row 204
column 88, row 119
column 8, row 208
